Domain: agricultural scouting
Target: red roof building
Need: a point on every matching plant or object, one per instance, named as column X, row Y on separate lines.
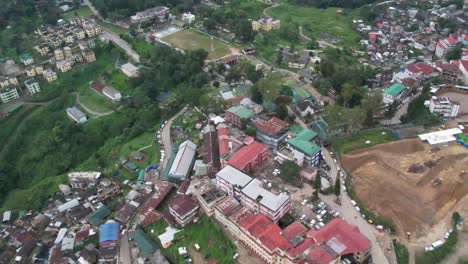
column 249, row 157
column 183, row 209
column 420, row 69
column 98, row 86
column 271, row 131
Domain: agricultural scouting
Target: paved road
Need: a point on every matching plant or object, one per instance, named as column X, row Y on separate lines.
column 91, row 111
column 125, row 257
column 108, row 34
column 93, row 9
column 265, row 10
column 166, row 137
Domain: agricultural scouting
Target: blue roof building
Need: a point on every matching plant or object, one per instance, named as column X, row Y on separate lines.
column 109, row 233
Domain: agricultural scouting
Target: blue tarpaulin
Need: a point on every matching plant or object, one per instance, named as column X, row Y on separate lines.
column 108, row 232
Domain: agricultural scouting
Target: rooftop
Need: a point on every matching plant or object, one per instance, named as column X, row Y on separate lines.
column 234, row 176
column 75, row 112
column 145, row 244
column 241, row 111
column 109, row 232
column 395, row 89
column 255, row 191
column 302, row 141
column 183, row 160
column 246, row 154
column 227, row 205
column 273, row 126
column 129, row 67
column 183, row 204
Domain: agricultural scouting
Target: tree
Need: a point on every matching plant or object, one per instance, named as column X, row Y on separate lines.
column 279, row 58
column 317, row 184
column 257, row 96
column 282, row 112
column 337, row 186
column 209, row 24
column 391, row 110
column 251, row 131
column 290, row 172
column 454, row 54
column 244, row 31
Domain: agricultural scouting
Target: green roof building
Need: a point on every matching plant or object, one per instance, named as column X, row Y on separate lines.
column 395, row 89
column 145, row 244
column 26, row 58
column 304, row 150
column 97, row 217
column 236, row 114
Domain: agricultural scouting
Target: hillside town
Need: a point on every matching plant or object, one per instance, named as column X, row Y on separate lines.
column 262, row 171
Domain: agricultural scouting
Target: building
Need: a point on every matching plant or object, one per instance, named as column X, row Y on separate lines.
column 266, row 24
column 63, row 65
column 271, row 131
column 30, row 71
column 188, row 17
column 99, row 215
column 206, row 194
column 112, row 94
column 449, row 73
column 49, row 75
column 463, row 66
column 89, row 55
column 211, row 155
column 159, row 12
column 58, row 53
column 419, row 69
column 26, row 59
column 83, row 180
column 444, row 106
column 441, row 137
column 261, row 201
column 256, row 108
column 109, row 234
column 183, row 209
column 76, row 114
column 146, row 245
column 32, row 86
column 249, row 157
column 395, row 92
column 303, row 149
column 183, row 162
column 130, row 70
column 8, row 93
column 238, row 115
column 251, row 193
column 42, row 49
column 444, row 46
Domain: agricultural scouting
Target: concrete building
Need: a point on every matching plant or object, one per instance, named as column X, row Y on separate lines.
column 188, row 17
column 130, row 70
column 159, row 12
column 251, row 193
column 249, row 157
column 303, row 149
column 183, row 209
column 444, row 106
column 266, row 24
column 464, row 70
column 271, row 131
column 395, row 92
column 112, row 94
column 236, row 115
column 83, row 180
column 89, row 55
column 183, row 162
column 26, row 59
column 32, row 86
column 444, row 46
column 76, row 114
column 211, row 155
column 8, row 93
column 49, row 75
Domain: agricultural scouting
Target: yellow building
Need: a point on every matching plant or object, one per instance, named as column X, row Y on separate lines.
column 79, row 33
column 63, row 65
column 4, row 82
column 43, row 50
column 39, row 69
column 266, row 24
column 67, row 51
column 69, row 38
column 49, row 75
column 56, row 42
column 89, row 55
column 58, row 53
column 30, row 71
column 13, row 80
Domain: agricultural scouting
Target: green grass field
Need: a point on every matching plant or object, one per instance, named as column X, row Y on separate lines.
column 121, row 82
column 358, row 140
column 315, row 21
column 213, row 242
column 80, row 12
column 116, row 29
column 191, row 40
column 95, row 101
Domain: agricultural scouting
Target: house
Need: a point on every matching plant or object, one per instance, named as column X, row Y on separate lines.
column 256, row 108
column 26, row 59
column 303, row 149
column 395, row 92
column 305, row 108
column 444, row 106
column 230, row 60
column 420, row 69
column 206, row 194
column 89, row 55
column 97, row 217
column 266, row 24
column 183, row 162
column 8, row 93
column 159, row 12
column 183, row 209
column 49, row 75
column 76, row 114
column 130, row 70
column 42, row 49
column 449, row 72
column 231, row 181
column 249, row 157
column 97, row 86
column 63, row 65
column 59, row 55
column 271, row 131
column 167, row 237
column 237, row 115
column 67, row 52
column 444, row 46
column 30, row 71
column 32, row 86
column 463, row 66
column 188, row 17
column 83, row 180
column 6, row 217
column 109, row 234
column 146, row 246
column 211, row 156
column 112, row 94
column 68, row 205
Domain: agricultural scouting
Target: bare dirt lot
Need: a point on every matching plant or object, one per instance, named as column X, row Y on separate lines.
column 409, row 182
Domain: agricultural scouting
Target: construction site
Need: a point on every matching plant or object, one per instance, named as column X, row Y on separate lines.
column 412, row 183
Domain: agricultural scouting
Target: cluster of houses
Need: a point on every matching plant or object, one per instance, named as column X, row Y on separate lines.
column 266, row 24
column 10, row 88
column 414, row 41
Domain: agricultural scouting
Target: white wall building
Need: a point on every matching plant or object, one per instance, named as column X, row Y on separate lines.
column 8, row 93
column 188, row 17
column 444, row 106
column 112, row 94
column 76, row 114
column 464, row 70
column 32, row 86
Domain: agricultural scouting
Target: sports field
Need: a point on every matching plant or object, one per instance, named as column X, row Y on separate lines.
column 191, row 40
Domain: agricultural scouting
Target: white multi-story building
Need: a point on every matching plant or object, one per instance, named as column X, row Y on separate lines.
column 188, row 17
column 395, row 92
column 160, row 12
column 8, row 93
column 464, row 70
column 32, row 86
column 444, row 106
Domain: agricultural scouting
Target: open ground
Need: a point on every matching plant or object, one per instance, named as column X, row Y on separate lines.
column 414, row 200
column 190, row 39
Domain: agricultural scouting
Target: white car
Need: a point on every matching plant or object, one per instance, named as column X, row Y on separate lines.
column 428, row 248
column 353, row 202
column 357, row 208
column 235, row 256
column 304, row 202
